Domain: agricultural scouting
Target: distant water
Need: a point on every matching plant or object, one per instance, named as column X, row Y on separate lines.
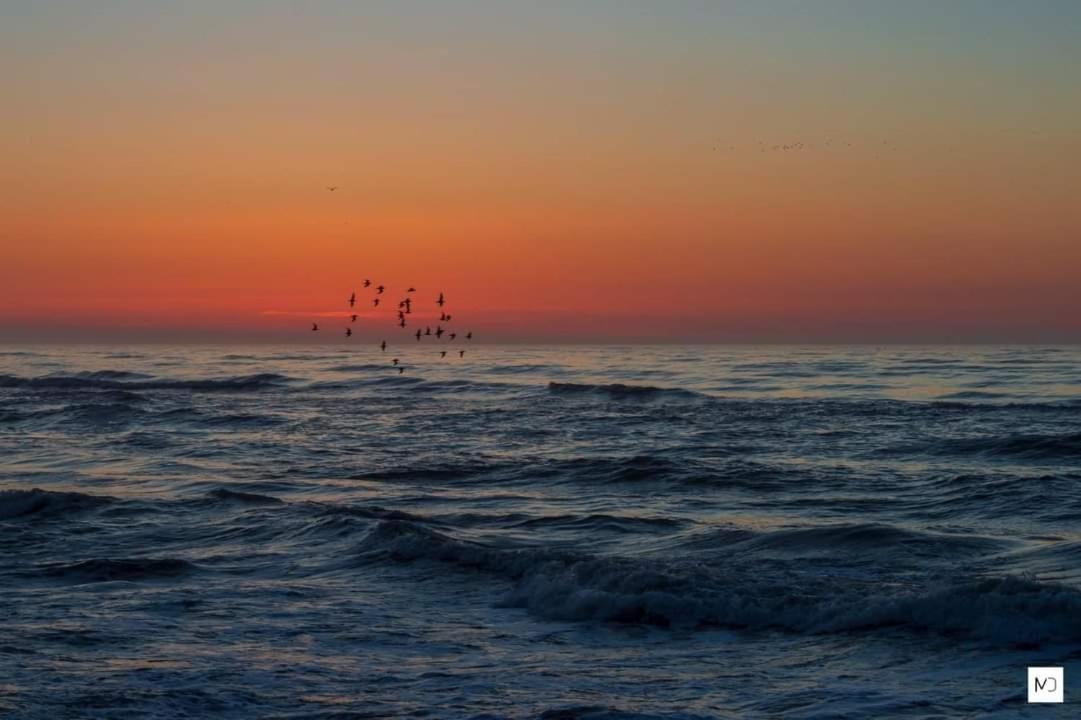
column 617, row 532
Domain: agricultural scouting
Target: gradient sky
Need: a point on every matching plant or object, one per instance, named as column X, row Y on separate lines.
column 563, row 170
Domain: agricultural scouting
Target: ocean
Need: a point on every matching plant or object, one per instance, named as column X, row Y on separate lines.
column 538, row 532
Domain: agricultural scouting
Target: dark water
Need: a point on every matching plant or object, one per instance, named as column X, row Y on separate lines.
column 562, row 533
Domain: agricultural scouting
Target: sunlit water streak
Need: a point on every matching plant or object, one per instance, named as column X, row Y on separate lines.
column 598, row 532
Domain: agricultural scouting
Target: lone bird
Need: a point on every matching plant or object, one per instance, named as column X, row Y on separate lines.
column 380, row 289
column 314, row 327
column 352, row 299
column 442, row 353
column 439, row 332
column 375, row 303
column 412, row 289
column 332, row 188
column 461, row 353
column 440, row 301
column 395, row 361
column 367, row 283
column 383, row 346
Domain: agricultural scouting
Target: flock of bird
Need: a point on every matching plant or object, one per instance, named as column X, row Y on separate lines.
column 405, row 308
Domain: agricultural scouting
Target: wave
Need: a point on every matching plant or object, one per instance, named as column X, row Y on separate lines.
column 875, row 537
column 46, row 503
column 245, row 498
column 107, row 570
column 601, row 522
column 92, row 381
column 383, row 367
column 620, row 391
column 1021, row 447
column 568, row 586
column 974, row 395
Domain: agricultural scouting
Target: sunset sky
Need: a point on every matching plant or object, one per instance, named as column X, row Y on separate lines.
column 562, row 170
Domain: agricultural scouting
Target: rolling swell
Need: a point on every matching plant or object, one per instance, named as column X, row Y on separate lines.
column 570, row 586
column 620, row 391
column 112, row 380
column 1039, row 447
column 108, row 570
column 37, row 503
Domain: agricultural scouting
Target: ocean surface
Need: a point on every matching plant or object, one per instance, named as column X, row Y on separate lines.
column 538, row 532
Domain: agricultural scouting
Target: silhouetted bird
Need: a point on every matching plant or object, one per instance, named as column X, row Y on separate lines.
column 442, row 353
column 383, row 346
column 442, row 317
column 380, row 289
column 332, row 188
column 352, row 299
column 418, row 334
column 469, row 335
column 354, row 318
column 448, row 318
column 412, row 289
column 461, row 353
column 440, row 301
column 395, row 361
column 349, row 332
column 428, row 330
column 453, row 335
column 375, row 303
column 314, row 327
column 401, row 323
column 401, row 370
column 367, row 283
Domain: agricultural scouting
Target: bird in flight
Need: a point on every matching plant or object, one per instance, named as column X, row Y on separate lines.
column 354, row 318
column 352, row 299
column 418, row 334
column 380, row 289
column 383, row 346
column 349, row 332
column 395, row 361
column 428, row 330
column 461, row 353
column 332, row 188
column 375, row 303
column 314, row 327
column 411, row 289
column 439, row 331
column 442, row 353
column 367, row 283
column 401, row 370
column 453, row 335
column 440, row 301
column 469, row 335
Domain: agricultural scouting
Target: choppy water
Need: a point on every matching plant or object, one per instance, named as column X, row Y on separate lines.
column 538, row 532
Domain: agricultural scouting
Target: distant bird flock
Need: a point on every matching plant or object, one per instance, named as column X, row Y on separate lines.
column 405, row 309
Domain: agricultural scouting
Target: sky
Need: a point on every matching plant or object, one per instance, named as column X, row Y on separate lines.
column 563, row 171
